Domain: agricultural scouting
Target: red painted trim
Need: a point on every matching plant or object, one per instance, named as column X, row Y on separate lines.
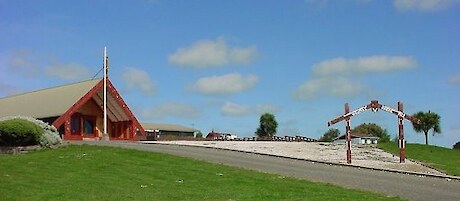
column 73, row 137
column 122, row 103
column 111, row 89
column 59, row 121
column 67, row 129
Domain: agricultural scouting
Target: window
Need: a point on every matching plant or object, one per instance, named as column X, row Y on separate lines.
column 82, row 124
column 88, row 126
column 75, row 124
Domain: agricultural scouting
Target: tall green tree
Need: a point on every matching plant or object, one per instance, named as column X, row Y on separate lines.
column 199, row 134
column 329, row 135
column 267, row 127
column 428, row 121
column 372, row 129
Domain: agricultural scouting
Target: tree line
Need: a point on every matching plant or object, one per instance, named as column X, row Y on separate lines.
column 429, row 121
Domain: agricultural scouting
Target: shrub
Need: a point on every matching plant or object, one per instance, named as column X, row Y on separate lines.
column 330, row 135
column 19, row 132
column 50, row 135
column 456, row 146
column 373, row 130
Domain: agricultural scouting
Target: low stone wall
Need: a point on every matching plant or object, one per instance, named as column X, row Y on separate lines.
column 25, row 149
column 18, row 149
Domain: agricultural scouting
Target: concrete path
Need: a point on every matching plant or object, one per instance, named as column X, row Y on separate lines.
column 392, row 184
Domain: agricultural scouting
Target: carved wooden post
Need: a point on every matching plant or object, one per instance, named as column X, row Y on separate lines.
column 67, row 131
column 348, row 134
column 375, row 106
column 402, row 144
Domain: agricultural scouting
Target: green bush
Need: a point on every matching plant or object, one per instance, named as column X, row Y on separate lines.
column 19, row 132
column 50, row 136
column 456, row 146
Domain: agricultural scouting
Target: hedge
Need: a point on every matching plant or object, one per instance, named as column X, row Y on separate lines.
column 50, row 134
column 19, row 132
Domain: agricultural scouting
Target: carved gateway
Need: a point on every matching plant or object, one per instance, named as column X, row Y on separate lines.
column 374, row 106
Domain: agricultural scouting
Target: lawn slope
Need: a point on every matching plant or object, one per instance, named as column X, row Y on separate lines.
column 444, row 159
column 105, row 173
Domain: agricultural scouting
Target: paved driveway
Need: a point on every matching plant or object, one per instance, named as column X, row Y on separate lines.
column 392, row 184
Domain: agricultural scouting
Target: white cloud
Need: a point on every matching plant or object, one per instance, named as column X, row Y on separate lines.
column 424, row 5
column 325, row 2
column 233, row 109
column 454, row 79
column 224, row 85
column 243, row 55
column 179, row 110
column 7, row 89
column 316, row 1
column 24, row 62
column 70, row 71
column 267, row 108
column 137, row 79
column 328, row 86
column 212, row 53
column 339, row 77
column 20, row 60
column 402, row 5
column 363, row 65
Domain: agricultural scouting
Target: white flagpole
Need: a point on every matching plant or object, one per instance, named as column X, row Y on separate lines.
column 106, row 137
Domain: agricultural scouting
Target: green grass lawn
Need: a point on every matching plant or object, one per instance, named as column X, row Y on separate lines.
column 104, row 173
column 447, row 160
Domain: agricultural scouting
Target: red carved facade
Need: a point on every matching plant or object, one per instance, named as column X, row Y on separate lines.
column 84, row 120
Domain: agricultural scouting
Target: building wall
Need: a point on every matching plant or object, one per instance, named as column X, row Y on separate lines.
column 121, row 130
column 353, row 141
column 176, row 133
column 368, row 141
column 356, row 141
column 92, row 109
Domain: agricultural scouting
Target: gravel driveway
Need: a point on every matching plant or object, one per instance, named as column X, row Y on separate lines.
column 362, row 155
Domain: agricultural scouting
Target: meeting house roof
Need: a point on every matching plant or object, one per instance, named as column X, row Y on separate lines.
column 45, row 103
column 63, row 100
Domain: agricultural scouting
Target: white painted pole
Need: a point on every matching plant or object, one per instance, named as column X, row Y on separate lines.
column 106, row 137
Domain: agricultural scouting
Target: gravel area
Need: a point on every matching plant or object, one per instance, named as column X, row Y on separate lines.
column 362, row 155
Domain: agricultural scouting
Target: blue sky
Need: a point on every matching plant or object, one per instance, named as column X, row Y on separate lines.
column 221, row 64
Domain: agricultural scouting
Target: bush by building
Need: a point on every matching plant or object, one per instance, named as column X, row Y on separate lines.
column 19, row 132
column 456, row 146
column 46, row 135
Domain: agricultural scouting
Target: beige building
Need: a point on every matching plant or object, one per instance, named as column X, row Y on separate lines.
column 155, row 130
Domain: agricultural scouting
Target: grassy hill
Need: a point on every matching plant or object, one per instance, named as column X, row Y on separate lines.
column 444, row 159
column 105, row 173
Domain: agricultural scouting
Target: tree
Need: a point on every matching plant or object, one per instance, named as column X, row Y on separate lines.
column 268, row 125
column 19, row 132
column 428, row 121
column 199, row 134
column 330, row 135
column 456, row 146
column 373, row 129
